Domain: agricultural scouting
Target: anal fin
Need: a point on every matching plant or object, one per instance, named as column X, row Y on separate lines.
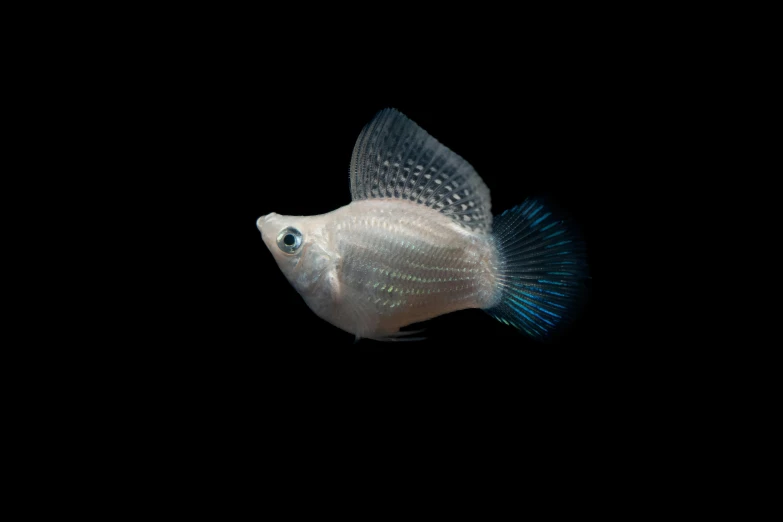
column 400, row 336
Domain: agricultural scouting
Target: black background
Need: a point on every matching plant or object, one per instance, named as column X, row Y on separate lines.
column 216, row 135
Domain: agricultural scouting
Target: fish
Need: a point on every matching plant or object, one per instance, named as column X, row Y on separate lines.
column 419, row 240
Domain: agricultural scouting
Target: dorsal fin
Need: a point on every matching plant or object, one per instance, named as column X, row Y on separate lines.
column 395, row 158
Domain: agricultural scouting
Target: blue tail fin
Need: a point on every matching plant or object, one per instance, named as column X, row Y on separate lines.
column 542, row 268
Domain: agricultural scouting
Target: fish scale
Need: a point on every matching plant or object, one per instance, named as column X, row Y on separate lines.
column 376, row 261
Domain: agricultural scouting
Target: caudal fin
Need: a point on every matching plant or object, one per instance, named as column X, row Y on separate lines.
column 542, row 269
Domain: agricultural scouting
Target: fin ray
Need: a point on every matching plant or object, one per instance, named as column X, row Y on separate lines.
column 395, row 158
column 542, row 268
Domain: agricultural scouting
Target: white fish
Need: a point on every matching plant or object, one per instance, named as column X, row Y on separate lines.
column 418, row 241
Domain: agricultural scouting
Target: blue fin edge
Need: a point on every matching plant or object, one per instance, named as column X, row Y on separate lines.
column 542, row 269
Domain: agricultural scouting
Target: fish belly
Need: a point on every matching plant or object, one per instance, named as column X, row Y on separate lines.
column 402, row 263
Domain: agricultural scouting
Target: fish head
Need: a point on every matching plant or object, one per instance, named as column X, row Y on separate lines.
column 299, row 245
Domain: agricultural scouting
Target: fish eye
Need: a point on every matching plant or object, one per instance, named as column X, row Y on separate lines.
column 289, row 240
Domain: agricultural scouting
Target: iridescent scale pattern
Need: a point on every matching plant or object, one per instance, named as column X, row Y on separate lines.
column 406, row 263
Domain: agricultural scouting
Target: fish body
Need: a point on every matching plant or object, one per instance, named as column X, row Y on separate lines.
column 384, row 264
column 418, row 241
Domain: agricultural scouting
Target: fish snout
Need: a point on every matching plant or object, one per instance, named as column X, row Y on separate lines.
column 263, row 220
